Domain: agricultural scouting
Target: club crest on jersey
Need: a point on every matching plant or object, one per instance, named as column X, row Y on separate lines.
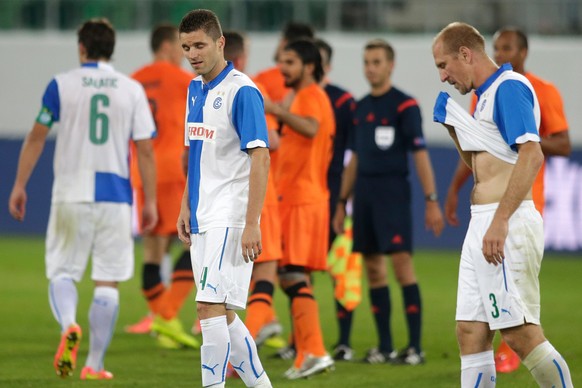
column 217, row 103
column 384, row 137
column 201, row 131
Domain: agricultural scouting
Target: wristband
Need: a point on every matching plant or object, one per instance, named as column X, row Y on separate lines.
column 432, row 197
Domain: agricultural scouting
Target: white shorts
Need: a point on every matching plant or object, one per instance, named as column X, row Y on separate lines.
column 505, row 295
column 220, row 272
column 101, row 230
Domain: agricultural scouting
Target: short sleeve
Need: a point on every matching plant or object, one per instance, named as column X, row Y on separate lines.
column 143, row 122
column 514, row 113
column 51, row 105
column 410, row 121
column 553, row 118
column 248, row 117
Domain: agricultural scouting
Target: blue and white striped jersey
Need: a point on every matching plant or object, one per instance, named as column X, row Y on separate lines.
column 224, row 119
column 96, row 111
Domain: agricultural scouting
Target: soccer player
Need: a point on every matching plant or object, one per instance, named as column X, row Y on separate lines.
column 261, row 319
column 96, row 110
column 501, row 256
column 166, row 86
column 343, row 105
column 227, row 178
column 511, row 45
column 308, row 128
column 387, row 128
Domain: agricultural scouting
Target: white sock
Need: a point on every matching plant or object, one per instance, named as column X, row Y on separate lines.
column 63, row 300
column 244, row 357
column 548, row 367
column 215, row 350
column 478, row 370
column 102, row 319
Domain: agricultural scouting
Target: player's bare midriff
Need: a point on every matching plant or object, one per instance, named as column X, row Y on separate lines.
column 491, row 177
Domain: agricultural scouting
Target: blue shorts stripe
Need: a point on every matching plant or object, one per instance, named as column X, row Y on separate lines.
column 223, row 249
column 560, row 372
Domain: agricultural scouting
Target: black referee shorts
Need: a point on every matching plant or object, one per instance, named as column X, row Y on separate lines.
column 382, row 215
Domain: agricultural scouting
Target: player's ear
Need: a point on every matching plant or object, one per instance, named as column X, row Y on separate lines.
column 82, row 51
column 220, row 42
column 310, row 67
column 465, row 54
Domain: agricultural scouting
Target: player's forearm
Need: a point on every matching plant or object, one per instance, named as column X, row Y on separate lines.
column 305, row 126
column 557, row 144
column 466, row 156
column 462, row 173
column 30, row 153
column 259, row 174
column 424, row 171
column 147, row 169
column 349, row 177
column 529, row 161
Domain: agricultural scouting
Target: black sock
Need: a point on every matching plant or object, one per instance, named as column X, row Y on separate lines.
column 344, row 320
column 413, row 310
column 381, row 308
column 150, row 276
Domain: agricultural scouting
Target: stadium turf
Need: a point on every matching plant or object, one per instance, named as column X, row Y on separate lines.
column 29, row 335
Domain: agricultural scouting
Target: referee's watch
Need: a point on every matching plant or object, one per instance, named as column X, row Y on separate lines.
column 432, row 197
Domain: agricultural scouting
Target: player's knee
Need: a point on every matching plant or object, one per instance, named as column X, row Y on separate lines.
column 290, row 275
column 474, row 337
column 376, row 276
column 523, row 339
column 298, row 290
column 209, row 310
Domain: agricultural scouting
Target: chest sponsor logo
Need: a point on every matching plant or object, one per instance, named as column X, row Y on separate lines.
column 201, row 131
column 384, row 137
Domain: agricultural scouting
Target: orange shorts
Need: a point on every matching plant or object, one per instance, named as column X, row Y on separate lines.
column 169, row 197
column 270, row 234
column 305, row 235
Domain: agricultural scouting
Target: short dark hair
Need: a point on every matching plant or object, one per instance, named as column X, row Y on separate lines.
column 201, row 19
column 381, row 44
column 519, row 33
column 98, row 38
column 162, row 33
column 296, row 30
column 234, row 45
column 309, row 54
column 323, row 45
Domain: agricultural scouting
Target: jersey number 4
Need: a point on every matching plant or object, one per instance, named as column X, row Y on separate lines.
column 98, row 121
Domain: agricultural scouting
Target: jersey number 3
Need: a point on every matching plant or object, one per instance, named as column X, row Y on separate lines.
column 98, row 121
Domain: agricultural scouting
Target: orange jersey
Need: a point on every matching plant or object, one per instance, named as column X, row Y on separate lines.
column 553, row 120
column 302, row 164
column 166, row 87
column 272, row 124
column 274, row 83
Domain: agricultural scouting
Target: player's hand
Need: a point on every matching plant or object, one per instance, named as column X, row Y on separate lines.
column 251, row 242
column 338, row 218
column 272, row 108
column 17, row 203
column 494, row 241
column 149, row 218
column 451, row 204
column 434, row 218
column 183, row 225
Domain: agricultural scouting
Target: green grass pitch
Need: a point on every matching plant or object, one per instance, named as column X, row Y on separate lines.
column 29, row 335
